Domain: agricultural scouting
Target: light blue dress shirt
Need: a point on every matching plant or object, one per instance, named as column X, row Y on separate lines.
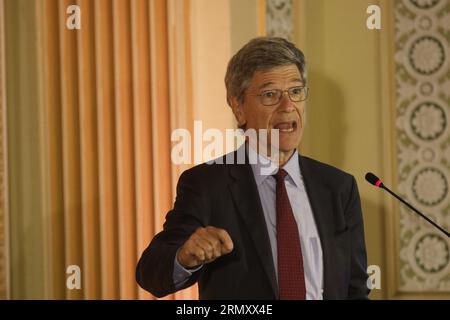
column 309, row 236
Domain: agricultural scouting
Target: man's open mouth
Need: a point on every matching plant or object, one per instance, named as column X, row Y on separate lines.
column 287, row 126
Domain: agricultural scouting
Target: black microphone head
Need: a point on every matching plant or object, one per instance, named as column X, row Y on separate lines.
column 373, row 179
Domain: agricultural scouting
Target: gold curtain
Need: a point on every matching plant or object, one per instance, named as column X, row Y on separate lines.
column 106, row 110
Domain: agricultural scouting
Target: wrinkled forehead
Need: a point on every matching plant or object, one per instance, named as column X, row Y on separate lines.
column 281, row 76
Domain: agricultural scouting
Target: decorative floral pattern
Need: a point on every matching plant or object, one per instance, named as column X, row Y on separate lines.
column 426, row 89
column 432, row 253
column 423, row 141
column 428, row 121
column 426, row 55
column 429, row 187
column 428, row 155
column 424, row 4
column 425, row 23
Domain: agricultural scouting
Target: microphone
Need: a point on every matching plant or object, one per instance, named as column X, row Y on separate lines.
column 373, row 179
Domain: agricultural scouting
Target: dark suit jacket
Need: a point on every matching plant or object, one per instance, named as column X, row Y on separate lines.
column 226, row 196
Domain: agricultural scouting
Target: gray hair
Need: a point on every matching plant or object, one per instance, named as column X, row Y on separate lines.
column 260, row 54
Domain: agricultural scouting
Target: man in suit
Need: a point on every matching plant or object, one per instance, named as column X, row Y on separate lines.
column 296, row 233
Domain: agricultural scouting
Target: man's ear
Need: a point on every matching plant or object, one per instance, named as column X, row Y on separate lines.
column 238, row 111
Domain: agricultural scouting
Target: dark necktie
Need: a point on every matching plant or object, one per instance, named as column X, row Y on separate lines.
column 291, row 278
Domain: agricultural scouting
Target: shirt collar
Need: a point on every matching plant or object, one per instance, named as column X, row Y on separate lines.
column 263, row 167
column 292, row 167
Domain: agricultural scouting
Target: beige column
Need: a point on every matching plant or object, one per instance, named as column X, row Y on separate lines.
column 4, row 214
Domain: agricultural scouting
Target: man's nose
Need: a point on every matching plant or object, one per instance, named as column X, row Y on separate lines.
column 286, row 105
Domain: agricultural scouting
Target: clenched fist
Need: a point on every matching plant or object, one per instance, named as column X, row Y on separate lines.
column 204, row 246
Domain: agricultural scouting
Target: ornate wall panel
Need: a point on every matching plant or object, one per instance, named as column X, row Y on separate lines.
column 279, row 18
column 422, row 49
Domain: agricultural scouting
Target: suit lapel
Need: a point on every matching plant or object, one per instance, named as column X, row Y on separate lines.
column 246, row 198
column 321, row 200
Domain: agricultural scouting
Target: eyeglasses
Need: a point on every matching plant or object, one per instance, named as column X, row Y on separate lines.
column 273, row 97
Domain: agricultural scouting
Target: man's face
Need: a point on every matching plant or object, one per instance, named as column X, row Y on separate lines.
column 286, row 116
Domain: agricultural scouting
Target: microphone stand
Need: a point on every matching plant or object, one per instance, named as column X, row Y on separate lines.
column 415, row 210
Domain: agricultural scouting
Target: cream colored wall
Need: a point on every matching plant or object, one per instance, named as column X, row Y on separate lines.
column 211, row 50
column 25, row 189
column 245, row 21
column 4, row 218
column 345, row 104
column 218, row 28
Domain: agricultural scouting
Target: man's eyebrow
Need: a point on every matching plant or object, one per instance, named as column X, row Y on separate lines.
column 264, row 85
column 297, row 80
